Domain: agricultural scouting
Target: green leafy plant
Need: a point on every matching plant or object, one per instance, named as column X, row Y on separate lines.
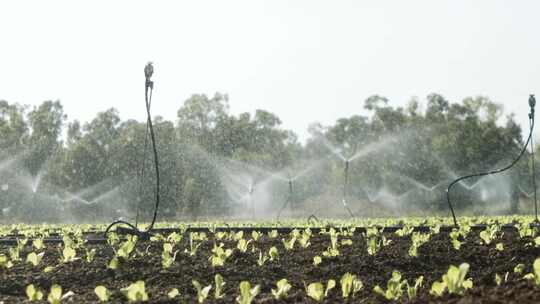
column 243, row 245
column 418, row 239
column 394, row 287
column 535, row 275
column 33, row 293
column 193, row 246
column 519, row 268
column 350, row 284
column 283, row 288
column 218, row 293
column 90, row 254
column 167, row 255
column 412, row 290
column 273, row 234
column 38, row 243
column 219, row 255
column 454, row 236
column 273, row 253
column 255, row 235
column 173, row 293
column 34, row 258
column 69, row 255
column 55, row 295
column 126, row 248
column 289, row 244
column 202, row 293
column 454, row 281
column 247, row 293
column 317, row 260
column 5, row 262
column 102, row 293
column 263, row 257
column 317, row 291
column 135, row 292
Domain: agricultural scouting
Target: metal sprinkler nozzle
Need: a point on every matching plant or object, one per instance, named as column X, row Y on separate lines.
column 148, row 71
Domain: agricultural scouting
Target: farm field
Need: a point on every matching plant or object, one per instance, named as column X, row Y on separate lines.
column 326, row 262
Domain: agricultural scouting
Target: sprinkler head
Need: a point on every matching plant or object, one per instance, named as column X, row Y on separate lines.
column 532, row 101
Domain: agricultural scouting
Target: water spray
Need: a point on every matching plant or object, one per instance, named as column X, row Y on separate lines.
column 288, row 201
column 532, row 104
column 148, row 88
column 346, row 187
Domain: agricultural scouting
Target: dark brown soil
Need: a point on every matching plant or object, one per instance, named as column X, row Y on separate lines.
column 297, row 266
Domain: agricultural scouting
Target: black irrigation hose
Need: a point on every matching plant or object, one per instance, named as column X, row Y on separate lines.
column 532, row 103
column 148, row 88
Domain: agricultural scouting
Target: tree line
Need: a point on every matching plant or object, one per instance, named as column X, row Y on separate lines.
column 423, row 143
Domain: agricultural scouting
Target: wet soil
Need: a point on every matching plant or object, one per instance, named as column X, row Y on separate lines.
column 433, row 260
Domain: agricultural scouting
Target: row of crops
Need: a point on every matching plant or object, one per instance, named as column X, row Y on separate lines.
column 336, row 263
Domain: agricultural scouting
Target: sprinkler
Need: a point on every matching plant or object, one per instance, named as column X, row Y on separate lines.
column 532, row 104
column 148, row 88
column 345, row 188
column 251, row 202
column 288, row 200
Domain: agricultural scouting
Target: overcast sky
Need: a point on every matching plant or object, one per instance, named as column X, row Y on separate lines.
column 305, row 61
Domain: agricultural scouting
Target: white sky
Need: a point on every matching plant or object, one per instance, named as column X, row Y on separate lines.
column 305, row 61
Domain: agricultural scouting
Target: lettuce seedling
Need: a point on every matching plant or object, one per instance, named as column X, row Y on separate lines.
column 102, row 293
column 218, row 293
column 394, row 287
column 173, row 293
column 273, row 253
column 69, row 255
column 202, row 293
column 247, row 294
column 535, row 275
column 283, row 288
column 127, row 247
column 317, row 291
column 350, row 284
column 33, row 293
column 454, row 281
column 219, row 255
column 255, row 235
column 412, row 291
column 263, row 257
column 5, row 262
column 243, row 245
column 135, row 292
column 34, row 258
column 55, row 295
column 289, row 244
column 317, row 260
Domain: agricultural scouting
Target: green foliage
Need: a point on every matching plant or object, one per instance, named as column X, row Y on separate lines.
column 69, row 255
column 202, row 293
column 219, row 255
column 102, row 293
column 454, row 281
column 247, row 293
column 218, row 293
column 34, row 258
column 135, row 292
column 5, row 262
column 317, row 291
column 535, row 275
column 350, row 284
column 55, row 295
column 33, row 293
column 283, row 288
column 394, row 287
column 273, row 253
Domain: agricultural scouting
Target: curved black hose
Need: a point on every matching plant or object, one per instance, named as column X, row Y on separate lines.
column 529, row 139
column 149, row 86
